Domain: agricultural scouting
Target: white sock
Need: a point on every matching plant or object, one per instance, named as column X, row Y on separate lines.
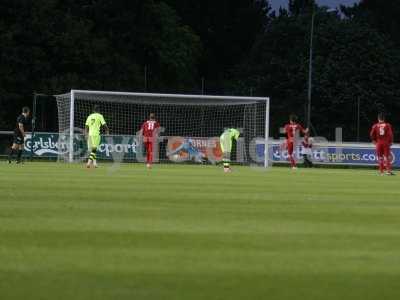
column 95, row 163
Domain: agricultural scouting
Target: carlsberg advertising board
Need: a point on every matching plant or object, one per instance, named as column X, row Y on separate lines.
column 50, row 145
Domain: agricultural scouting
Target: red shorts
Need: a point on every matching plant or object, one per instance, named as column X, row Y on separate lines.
column 383, row 150
column 149, row 146
column 290, row 147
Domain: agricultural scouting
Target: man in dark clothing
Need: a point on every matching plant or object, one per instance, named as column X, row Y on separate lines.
column 19, row 135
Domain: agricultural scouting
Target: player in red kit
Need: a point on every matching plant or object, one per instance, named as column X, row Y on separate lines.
column 382, row 136
column 292, row 130
column 149, row 130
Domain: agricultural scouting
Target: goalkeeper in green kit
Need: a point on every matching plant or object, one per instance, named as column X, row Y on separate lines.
column 226, row 140
column 92, row 131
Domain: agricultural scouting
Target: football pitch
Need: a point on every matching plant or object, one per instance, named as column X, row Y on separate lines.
column 193, row 232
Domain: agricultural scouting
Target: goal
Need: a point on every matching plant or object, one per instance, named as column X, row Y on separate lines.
column 199, row 118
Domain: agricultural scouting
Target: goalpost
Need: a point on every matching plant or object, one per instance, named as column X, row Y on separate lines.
column 198, row 117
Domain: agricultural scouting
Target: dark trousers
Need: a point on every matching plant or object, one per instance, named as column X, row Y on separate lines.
column 307, row 162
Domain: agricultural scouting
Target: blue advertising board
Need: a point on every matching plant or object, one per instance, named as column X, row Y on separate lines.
column 352, row 154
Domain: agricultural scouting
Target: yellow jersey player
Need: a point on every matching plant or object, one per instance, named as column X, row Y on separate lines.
column 94, row 123
column 226, row 140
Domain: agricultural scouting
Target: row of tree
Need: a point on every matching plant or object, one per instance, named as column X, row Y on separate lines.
column 224, row 46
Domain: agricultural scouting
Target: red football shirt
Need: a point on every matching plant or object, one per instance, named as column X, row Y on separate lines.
column 149, row 128
column 306, row 142
column 382, row 133
column 292, row 129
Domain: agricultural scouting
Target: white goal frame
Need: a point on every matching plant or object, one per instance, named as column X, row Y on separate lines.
column 232, row 99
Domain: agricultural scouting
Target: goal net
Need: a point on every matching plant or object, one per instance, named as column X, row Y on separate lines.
column 195, row 118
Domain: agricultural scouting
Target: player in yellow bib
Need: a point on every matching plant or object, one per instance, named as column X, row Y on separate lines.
column 226, row 140
column 94, row 123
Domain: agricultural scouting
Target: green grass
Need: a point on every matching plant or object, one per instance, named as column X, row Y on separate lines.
column 192, row 232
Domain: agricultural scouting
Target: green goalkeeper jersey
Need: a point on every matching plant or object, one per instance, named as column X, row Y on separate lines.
column 230, row 134
column 227, row 137
column 94, row 122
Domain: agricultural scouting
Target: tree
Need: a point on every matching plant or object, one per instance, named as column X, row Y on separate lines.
column 228, row 30
column 351, row 59
column 383, row 15
column 52, row 46
column 299, row 7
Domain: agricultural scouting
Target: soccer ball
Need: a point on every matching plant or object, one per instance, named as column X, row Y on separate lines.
column 175, row 157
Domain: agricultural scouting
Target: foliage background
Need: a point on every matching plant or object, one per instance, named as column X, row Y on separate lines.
column 236, row 47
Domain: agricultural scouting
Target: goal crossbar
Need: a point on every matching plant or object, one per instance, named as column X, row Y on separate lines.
column 172, row 99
